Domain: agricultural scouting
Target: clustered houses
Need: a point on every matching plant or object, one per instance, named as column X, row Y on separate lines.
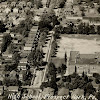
column 27, row 48
column 7, row 57
column 13, row 13
column 87, row 63
column 72, row 12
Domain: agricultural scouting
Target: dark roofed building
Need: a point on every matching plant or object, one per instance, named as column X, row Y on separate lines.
column 89, row 63
column 22, row 66
column 77, row 58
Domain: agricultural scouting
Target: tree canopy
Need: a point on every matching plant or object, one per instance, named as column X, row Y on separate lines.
column 6, row 41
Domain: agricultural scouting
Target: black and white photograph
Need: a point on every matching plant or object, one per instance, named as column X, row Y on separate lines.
column 49, row 49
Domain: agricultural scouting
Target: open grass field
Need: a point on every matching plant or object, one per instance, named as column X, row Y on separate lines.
column 85, row 44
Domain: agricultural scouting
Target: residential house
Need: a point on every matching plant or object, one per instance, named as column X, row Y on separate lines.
column 36, row 18
column 12, row 88
column 25, row 53
column 21, row 66
column 21, row 75
column 7, row 61
column 27, row 44
column 23, row 60
column 3, row 16
column 7, row 55
column 4, row 4
column 28, row 48
column 34, row 29
column 7, row 10
column 12, row 34
column 15, row 10
column 26, row 9
column 13, row 4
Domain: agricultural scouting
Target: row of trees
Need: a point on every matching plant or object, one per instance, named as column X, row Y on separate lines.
column 35, row 58
column 5, row 42
column 43, row 37
column 48, row 20
column 27, row 77
column 51, row 76
column 75, row 81
column 82, row 28
column 38, row 3
column 54, row 47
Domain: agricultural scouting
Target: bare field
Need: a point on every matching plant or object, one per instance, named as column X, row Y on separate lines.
column 85, row 44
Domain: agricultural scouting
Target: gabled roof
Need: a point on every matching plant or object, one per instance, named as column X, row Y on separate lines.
column 13, row 88
column 23, row 60
column 22, row 64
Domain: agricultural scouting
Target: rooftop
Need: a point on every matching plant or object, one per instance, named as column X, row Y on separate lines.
column 13, row 88
column 22, row 64
column 76, row 57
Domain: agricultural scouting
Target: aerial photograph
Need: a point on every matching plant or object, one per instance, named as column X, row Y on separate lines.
column 49, row 49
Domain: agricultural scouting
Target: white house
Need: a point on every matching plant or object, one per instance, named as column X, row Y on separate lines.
column 27, row 48
column 7, row 10
column 22, row 66
column 15, row 10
